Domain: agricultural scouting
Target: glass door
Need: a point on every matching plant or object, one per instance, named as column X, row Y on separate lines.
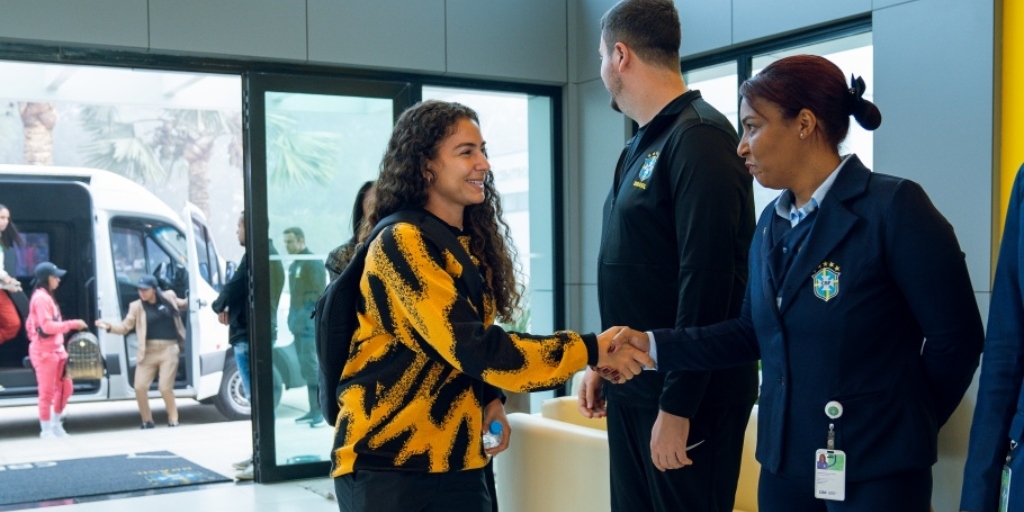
column 313, row 142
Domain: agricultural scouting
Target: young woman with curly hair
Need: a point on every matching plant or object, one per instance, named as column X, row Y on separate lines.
column 425, row 365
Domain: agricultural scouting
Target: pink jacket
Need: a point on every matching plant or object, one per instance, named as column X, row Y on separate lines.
column 43, row 314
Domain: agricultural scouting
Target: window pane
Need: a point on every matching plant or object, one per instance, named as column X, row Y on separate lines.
column 517, row 128
column 854, row 55
column 320, row 149
column 718, row 86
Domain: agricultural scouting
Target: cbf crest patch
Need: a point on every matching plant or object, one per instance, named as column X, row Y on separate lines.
column 825, row 281
column 647, row 170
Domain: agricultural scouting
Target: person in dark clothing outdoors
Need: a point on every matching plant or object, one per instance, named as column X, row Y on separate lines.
column 677, row 225
column 232, row 308
column 306, row 281
column 338, row 259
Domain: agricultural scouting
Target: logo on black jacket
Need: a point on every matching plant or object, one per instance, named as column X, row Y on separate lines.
column 647, row 170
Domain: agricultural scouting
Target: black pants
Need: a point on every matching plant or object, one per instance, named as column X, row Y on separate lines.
column 709, row 485
column 413, row 491
column 908, row 491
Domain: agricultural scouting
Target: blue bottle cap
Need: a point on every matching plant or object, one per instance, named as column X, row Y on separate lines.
column 495, row 427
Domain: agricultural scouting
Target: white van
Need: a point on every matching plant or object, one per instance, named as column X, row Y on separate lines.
column 108, row 231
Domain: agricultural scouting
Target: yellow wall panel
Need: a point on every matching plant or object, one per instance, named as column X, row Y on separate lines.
column 1012, row 126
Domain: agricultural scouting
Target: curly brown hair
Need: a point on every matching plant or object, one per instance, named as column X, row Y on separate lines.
column 402, row 184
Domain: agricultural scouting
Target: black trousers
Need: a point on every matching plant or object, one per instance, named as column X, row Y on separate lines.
column 908, row 491
column 413, row 491
column 709, row 485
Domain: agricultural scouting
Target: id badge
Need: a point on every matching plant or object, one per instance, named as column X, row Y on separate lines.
column 830, row 475
column 1004, row 490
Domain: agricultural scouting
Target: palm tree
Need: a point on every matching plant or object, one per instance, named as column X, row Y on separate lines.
column 116, row 147
column 38, row 120
column 189, row 136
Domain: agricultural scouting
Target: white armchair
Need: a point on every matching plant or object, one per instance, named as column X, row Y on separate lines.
column 558, row 461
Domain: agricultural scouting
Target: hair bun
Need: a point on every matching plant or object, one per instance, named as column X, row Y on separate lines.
column 865, row 112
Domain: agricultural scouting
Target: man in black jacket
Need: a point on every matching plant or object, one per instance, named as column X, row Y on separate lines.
column 232, row 308
column 677, row 225
column 307, row 279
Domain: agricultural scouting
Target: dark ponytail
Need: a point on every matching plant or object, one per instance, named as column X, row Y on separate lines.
column 865, row 112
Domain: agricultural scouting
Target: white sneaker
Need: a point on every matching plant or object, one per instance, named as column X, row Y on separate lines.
column 246, row 474
column 242, row 464
column 46, row 429
column 58, row 429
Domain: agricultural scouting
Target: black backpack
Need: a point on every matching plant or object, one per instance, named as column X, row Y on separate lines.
column 335, row 314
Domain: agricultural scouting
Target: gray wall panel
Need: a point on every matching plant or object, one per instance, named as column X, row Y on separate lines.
column 272, row 29
column 119, row 23
column 587, row 64
column 881, row 4
column 707, row 25
column 754, row 19
column 524, row 40
column 602, row 135
column 922, row 101
column 394, row 34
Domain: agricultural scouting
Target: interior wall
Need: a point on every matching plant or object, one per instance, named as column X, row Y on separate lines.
column 447, row 37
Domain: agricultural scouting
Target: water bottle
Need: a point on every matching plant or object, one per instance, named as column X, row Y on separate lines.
column 492, row 438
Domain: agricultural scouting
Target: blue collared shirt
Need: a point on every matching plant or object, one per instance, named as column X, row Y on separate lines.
column 785, row 208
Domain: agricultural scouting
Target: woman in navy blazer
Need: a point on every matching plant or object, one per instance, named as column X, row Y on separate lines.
column 859, row 304
column 998, row 424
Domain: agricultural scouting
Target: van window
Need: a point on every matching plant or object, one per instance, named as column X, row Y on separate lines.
column 141, row 247
column 34, row 251
column 209, row 264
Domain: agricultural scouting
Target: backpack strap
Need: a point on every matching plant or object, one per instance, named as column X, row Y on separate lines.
column 333, row 334
column 441, row 234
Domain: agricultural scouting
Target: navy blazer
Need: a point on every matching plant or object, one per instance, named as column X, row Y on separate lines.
column 999, row 414
column 895, row 340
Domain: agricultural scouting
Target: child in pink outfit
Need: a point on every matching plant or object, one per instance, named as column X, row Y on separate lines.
column 46, row 330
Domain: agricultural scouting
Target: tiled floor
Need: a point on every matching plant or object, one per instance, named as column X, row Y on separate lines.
column 203, row 438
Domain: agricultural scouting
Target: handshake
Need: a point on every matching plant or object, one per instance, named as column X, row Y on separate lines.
column 622, row 354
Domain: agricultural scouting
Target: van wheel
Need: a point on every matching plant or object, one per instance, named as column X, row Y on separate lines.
column 231, row 401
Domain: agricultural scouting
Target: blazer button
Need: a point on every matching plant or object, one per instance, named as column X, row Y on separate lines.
column 785, row 250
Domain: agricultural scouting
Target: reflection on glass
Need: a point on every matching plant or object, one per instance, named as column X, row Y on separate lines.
column 320, row 149
column 517, row 128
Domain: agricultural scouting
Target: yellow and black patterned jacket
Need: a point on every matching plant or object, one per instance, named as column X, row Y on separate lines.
column 424, row 362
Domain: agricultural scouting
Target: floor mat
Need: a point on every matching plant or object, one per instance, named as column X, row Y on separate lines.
column 35, row 482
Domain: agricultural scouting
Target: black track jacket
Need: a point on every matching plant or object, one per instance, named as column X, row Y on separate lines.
column 677, row 229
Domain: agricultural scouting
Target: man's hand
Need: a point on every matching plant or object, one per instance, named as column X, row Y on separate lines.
column 496, row 411
column 619, row 362
column 591, row 404
column 222, row 317
column 668, row 441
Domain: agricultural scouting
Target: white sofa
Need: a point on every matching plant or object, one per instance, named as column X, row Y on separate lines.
column 558, row 462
